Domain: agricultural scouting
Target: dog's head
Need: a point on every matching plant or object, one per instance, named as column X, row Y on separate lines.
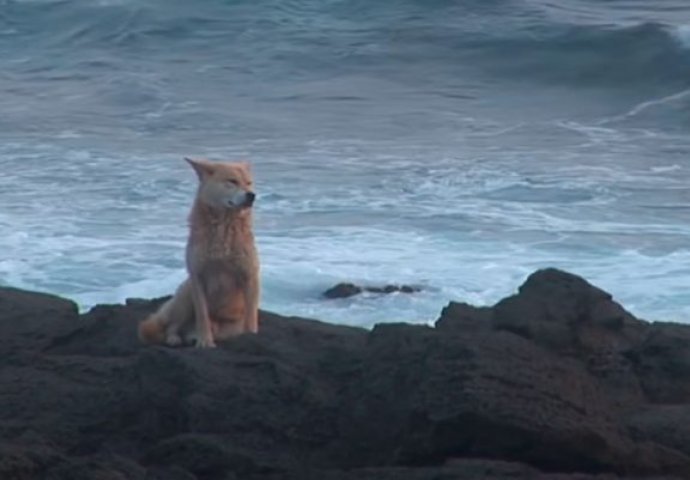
column 224, row 184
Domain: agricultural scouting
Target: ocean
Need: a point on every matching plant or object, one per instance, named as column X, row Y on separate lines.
column 452, row 145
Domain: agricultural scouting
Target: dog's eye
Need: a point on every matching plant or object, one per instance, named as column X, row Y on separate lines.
column 232, row 181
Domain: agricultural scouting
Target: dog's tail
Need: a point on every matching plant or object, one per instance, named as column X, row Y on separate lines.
column 152, row 330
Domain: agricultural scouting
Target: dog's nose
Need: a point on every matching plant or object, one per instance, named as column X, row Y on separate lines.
column 251, row 196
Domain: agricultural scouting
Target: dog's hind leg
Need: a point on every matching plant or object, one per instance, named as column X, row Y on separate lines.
column 176, row 314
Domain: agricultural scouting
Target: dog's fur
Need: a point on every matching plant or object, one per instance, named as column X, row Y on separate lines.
column 220, row 297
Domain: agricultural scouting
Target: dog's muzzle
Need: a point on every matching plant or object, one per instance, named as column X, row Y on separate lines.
column 249, row 199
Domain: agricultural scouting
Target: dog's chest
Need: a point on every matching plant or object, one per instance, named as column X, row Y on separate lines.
column 222, row 248
column 222, row 258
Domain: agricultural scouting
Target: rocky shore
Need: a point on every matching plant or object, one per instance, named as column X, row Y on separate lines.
column 555, row 382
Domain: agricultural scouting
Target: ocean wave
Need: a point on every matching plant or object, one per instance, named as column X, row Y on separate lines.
column 647, row 53
column 682, row 34
column 330, row 35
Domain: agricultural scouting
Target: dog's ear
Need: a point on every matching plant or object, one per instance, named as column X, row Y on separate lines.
column 202, row 168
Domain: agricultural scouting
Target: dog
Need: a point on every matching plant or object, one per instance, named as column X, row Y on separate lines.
column 220, row 298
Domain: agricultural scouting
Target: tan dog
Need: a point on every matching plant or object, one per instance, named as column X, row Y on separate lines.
column 220, row 298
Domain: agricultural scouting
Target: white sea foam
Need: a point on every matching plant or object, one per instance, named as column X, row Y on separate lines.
column 467, row 229
column 297, row 269
column 647, row 105
column 682, row 34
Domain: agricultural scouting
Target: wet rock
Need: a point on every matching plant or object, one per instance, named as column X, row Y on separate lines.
column 345, row 290
column 555, row 382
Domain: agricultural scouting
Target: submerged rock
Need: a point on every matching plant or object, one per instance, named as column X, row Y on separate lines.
column 555, row 382
column 345, row 290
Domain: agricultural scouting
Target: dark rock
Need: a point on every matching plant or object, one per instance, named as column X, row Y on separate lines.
column 662, row 363
column 563, row 313
column 668, row 425
column 26, row 461
column 29, row 319
column 462, row 317
column 393, row 289
column 345, row 290
column 201, row 455
column 555, row 382
column 96, row 467
column 342, row 290
column 490, row 395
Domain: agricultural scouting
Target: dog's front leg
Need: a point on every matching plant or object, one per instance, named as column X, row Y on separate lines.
column 251, row 303
column 204, row 333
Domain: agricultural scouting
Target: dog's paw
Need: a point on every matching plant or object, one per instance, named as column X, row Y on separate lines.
column 173, row 340
column 202, row 342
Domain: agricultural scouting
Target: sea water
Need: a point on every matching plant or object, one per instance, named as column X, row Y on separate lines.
column 455, row 146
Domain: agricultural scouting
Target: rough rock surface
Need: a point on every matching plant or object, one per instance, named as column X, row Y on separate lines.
column 555, row 382
column 346, row 290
